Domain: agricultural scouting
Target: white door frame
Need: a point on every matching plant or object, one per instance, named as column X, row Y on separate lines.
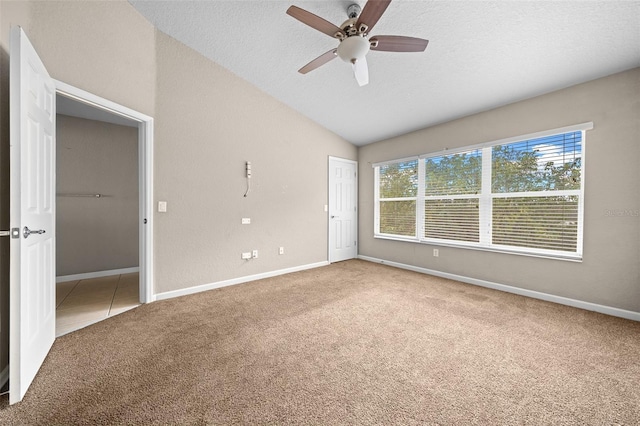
column 145, row 180
column 355, row 195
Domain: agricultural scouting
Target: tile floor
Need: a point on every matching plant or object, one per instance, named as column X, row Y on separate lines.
column 85, row 302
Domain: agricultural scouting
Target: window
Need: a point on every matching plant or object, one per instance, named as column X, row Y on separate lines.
column 452, row 185
column 520, row 195
column 398, row 190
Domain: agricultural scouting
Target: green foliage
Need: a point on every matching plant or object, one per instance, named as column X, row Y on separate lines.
column 454, row 174
column 515, row 170
column 399, row 180
column 564, row 176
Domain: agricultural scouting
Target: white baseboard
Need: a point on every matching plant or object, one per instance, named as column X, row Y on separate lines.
column 233, row 281
column 97, row 274
column 4, row 376
column 616, row 312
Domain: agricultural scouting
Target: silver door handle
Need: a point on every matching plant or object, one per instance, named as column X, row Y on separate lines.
column 26, row 231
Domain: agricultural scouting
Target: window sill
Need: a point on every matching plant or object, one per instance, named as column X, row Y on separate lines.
column 552, row 256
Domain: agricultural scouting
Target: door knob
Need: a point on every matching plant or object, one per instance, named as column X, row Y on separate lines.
column 26, row 231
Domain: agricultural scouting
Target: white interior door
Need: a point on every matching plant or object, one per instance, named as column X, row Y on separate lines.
column 32, row 155
column 343, row 211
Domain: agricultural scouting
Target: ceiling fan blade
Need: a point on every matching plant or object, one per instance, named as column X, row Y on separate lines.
column 398, row 44
column 372, row 11
column 361, row 71
column 319, row 61
column 315, row 21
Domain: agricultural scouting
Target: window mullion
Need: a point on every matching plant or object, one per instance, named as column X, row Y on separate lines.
column 376, row 198
column 420, row 200
column 485, row 203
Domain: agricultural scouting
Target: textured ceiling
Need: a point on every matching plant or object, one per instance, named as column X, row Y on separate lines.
column 481, row 55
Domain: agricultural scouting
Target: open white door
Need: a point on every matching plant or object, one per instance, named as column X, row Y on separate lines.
column 32, row 154
column 343, row 214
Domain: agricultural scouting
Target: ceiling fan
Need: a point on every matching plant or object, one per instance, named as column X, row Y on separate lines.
column 354, row 38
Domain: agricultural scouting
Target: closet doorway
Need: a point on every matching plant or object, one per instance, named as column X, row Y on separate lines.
column 99, row 214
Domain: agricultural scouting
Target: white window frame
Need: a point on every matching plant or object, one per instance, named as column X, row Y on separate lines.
column 378, row 200
column 485, row 199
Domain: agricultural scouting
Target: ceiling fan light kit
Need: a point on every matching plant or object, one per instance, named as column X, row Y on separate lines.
column 354, row 37
column 353, row 48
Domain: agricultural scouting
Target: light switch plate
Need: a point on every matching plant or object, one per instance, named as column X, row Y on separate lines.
column 162, row 206
column 246, row 220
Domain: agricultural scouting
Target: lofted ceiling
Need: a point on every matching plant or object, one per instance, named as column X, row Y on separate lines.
column 481, row 55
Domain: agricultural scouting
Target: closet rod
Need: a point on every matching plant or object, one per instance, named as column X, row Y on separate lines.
column 82, row 195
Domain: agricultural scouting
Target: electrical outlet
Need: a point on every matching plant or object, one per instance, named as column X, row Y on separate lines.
column 246, row 220
column 255, row 254
column 436, row 252
column 281, row 250
column 246, row 256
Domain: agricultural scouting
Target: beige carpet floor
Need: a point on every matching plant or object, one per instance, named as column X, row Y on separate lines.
column 350, row 343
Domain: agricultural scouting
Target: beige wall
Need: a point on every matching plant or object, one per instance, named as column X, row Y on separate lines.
column 208, row 123
column 96, row 234
column 610, row 271
column 104, row 47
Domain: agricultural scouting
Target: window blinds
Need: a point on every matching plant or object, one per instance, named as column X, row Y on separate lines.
column 518, row 194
